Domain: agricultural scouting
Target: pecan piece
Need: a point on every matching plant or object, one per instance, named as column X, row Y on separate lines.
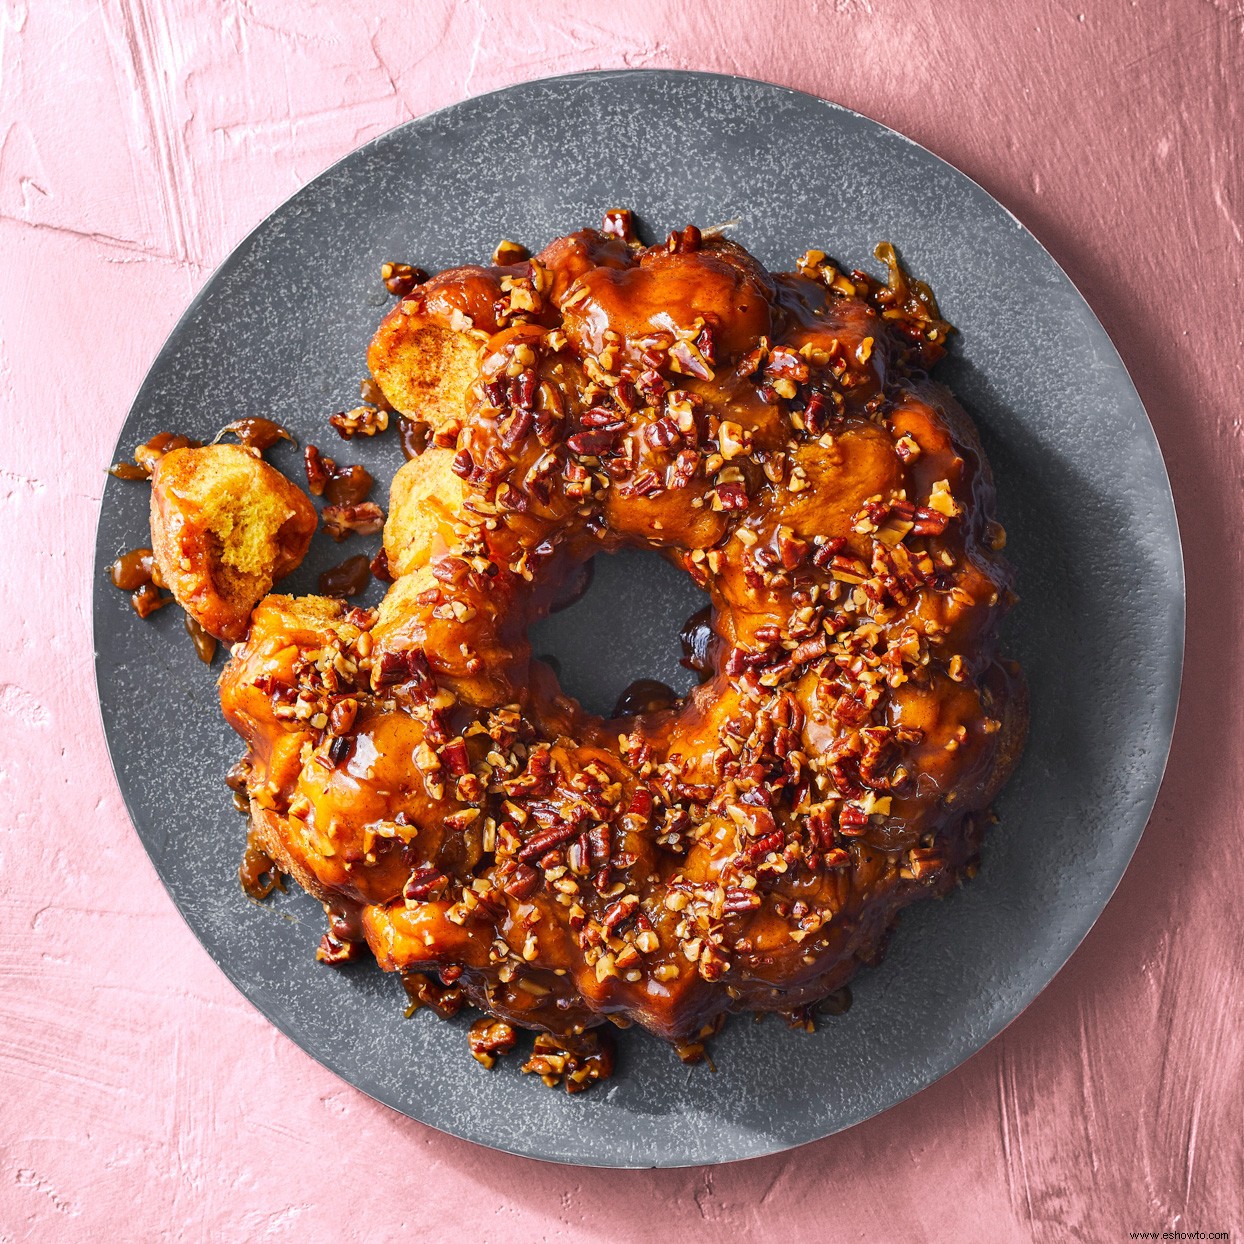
column 342, row 715
column 594, row 443
column 523, row 389
column 508, row 253
column 684, row 241
column 491, row 1038
column 620, row 223
column 361, row 421
column 731, row 497
column 576, row 1062
column 852, row 822
column 400, row 278
column 423, row 883
column 423, row 991
column 547, row 839
column 686, row 359
column 618, row 913
column 147, row 599
column 364, row 519
column 455, row 758
column 523, row 882
column 929, row 522
column 335, row 952
column 663, row 433
column 319, row 470
column 380, row 567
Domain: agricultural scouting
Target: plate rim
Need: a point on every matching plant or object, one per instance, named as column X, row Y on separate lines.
column 1173, row 666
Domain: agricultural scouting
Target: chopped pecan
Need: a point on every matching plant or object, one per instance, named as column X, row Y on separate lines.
column 523, row 882
column 576, row 1062
column 341, row 521
column 595, row 442
column 620, row 222
column 508, row 253
column 929, row 522
column 147, row 599
column 491, row 1038
column 547, row 839
column 684, row 241
column 361, row 421
column 423, row 883
column 423, row 991
column 380, row 567
column 455, row 758
column 400, row 278
column 335, row 952
column 319, row 470
column 852, row 822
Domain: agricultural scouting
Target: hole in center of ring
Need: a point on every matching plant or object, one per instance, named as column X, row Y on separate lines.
column 624, row 628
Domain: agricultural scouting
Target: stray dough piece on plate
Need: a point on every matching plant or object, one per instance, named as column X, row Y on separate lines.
column 224, row 526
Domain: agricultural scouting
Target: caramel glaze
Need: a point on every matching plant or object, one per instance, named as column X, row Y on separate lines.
column 750, row 846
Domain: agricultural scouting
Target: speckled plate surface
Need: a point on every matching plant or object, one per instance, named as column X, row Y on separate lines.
column 281, row 330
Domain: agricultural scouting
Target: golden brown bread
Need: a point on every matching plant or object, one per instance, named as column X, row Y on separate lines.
column 224, row 526
column 426, row 499
column 750, row 846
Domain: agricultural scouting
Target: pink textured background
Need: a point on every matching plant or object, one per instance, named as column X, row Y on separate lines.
column 140, row 1096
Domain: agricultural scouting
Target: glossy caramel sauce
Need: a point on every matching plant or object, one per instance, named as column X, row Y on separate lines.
column 698, row 639
column 645, row 695
column 256, row 432
column 149, row 453
column 136, row 572
column 348, row 485
column 132, row 570
column 349, row 578
column 744, row 848
column 204, row 644
column 413, row 434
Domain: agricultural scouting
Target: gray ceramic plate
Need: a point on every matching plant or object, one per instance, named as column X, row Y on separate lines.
column 281, row 330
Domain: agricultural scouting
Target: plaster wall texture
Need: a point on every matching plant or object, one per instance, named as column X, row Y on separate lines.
column 140, row 1096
